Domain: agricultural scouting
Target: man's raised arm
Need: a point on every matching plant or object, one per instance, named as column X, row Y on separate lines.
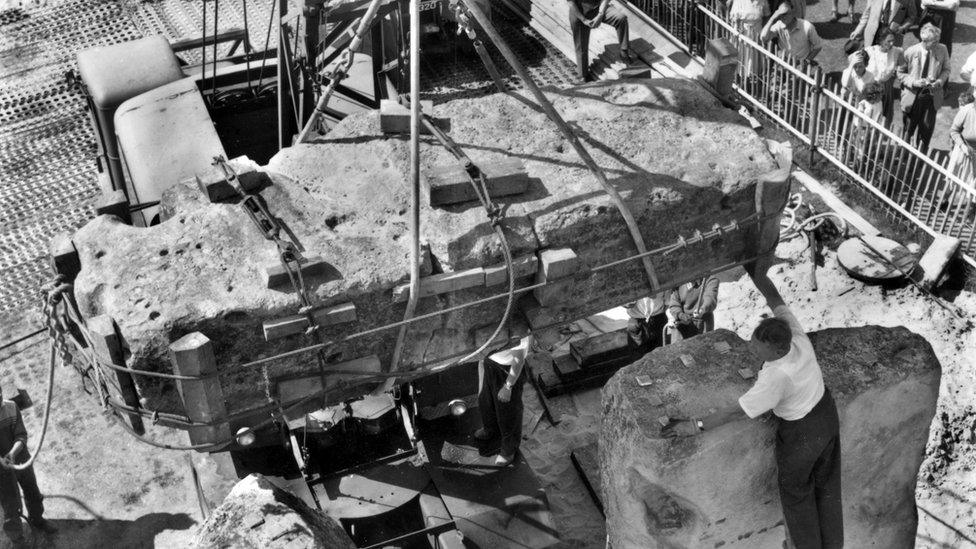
column 757, row 271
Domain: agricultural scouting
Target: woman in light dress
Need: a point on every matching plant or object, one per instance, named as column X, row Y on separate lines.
column 883, row 62
column 962, row 159
column 864, row 92
column 747, row 16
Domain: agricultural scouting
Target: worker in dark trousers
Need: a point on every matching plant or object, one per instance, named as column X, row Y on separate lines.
column 790, row 384
column 13, row 450
column 648, row 317
column 692, row 307
column 590, row 14
column 500, row 399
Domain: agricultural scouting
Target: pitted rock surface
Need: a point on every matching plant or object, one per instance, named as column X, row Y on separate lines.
column 257, row 514
column 682, row 162
column 719, row 489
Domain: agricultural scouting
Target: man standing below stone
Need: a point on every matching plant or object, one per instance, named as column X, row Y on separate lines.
column 692, row 305
column 590, row 14
column 790, row 384
column 648, row 317
column 923, row 78
column 500, row 399
column 13, row 450
column 797, row 38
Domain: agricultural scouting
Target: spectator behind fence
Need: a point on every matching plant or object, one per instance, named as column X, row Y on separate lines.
column 942, row 14
column 861, row 86
column 923, row 78
column 747, row 17
column 884, row 58
column 796, row 38
column 962, row 159
column 895, row 15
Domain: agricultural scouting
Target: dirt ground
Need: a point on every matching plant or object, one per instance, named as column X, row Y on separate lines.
column 105, row 489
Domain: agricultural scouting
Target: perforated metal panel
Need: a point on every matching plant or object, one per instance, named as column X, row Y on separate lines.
column 47, row 147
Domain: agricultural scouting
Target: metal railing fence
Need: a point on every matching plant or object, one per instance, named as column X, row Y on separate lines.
column 796, row 95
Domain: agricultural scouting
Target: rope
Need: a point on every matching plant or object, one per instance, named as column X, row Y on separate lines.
column 53, row 295
column 22, row 338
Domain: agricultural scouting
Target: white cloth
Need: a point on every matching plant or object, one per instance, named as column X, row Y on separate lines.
column 789, row 386
column 646, row 307
column 883, row 64
column 516, row 354
column 968, row 69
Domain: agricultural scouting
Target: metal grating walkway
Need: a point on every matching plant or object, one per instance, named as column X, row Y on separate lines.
column 48, row 180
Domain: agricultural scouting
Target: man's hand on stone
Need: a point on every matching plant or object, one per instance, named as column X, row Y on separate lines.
column 684, row 318
column 504, row 394
column 679, row 428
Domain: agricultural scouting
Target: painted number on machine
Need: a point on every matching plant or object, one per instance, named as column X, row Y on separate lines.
column 429, row 5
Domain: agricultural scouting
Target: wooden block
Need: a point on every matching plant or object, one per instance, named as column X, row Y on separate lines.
column 450, row 183
column 203, row 401
column 64, row 257
column 554, row 265
column 108, row 346
column 601, row 348
column 275, row 274
column 523, row 266
column 635, row 72
column 215, row 187
column 687, row 360
column 936, row 257
column 114, row 203
column 566, row 367
column 395, row 118
column 747, row 373
column 296, row 324
column 442, row 284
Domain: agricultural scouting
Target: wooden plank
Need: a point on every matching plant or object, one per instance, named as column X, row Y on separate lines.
column 853, row 218
column 395, row 118
column 601, row 348
column 450, row 183
column 296, row 324
column 64, row 257
column 442, row 284
column 275, row 274
column 523, row 266
column 114, row 203
column 586, row 461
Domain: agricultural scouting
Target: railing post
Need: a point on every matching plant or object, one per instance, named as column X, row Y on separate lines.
column 815, row 111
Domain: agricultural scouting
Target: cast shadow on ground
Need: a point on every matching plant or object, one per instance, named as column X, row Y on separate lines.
column 101, row 532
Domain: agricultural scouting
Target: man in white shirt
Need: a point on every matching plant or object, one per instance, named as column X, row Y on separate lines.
column 500, row 398
column 797, row 38
column 790, row 384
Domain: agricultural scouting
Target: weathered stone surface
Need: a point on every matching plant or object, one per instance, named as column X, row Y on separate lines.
column 257, row 514
column 681, row 161
column 719, row 488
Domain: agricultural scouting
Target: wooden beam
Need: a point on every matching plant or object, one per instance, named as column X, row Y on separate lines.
column 442, row 284
column 523, row 266
column 64, row 257
column 107, row 345
column 203, row 400
column 114, row 203
column 554, row 265
column 297, row 324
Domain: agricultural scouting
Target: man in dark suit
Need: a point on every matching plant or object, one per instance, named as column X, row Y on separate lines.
column 923, row 78
column 898, row 15
column 590, row 14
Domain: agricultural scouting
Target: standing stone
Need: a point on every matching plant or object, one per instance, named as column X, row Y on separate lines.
column 719, row 489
